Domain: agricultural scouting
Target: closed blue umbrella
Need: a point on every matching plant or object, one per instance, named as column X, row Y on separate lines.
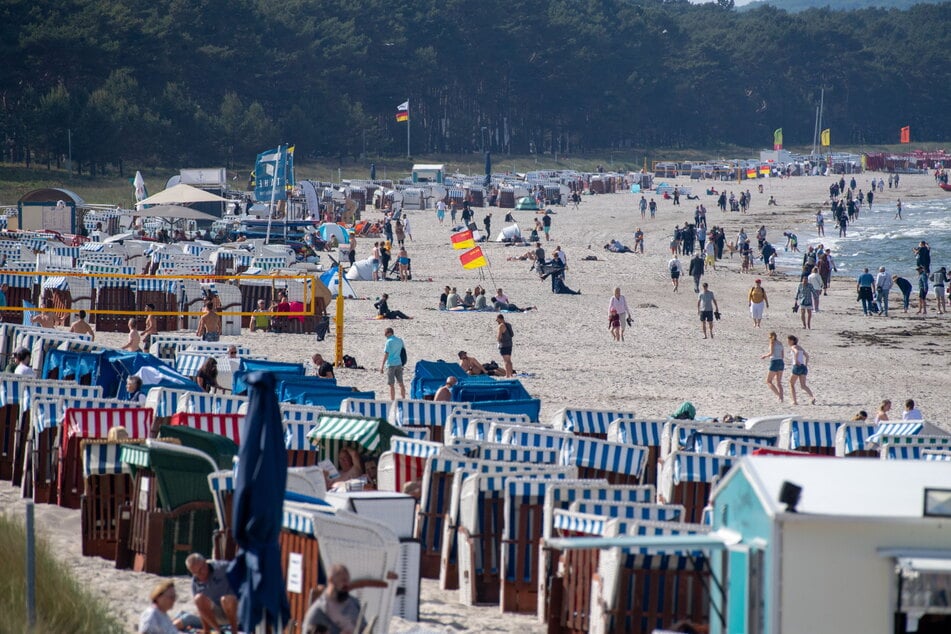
column 258, row 506
column 488, row 168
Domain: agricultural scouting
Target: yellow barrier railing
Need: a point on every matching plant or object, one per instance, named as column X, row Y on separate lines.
column 307, row 279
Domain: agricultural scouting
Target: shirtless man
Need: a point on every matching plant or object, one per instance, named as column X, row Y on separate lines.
column 151, row 327
column 82, row 327
column 209, row 324
column 44, row 319
column 470, row 365
column 444, row 393
column 132, row 345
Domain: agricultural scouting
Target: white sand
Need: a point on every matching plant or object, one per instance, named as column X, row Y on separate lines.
column 569, row 355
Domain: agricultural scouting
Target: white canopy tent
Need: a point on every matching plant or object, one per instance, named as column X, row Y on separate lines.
column 181, row 194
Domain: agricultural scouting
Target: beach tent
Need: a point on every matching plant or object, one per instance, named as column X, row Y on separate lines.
column 330, row 229
column 330, row 281
column 527, row 203
column 361, row 270
column 508, row 233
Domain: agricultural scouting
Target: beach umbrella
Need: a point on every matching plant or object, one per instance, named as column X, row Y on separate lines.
column 140, row 190
column 181, row 194
column 488, row 169
column 260, row 483
column 372, row 171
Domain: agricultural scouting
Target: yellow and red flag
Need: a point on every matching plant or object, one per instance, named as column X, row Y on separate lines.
column 473, row 259
column 751, row 172
column 463, row 240
column 906, row 134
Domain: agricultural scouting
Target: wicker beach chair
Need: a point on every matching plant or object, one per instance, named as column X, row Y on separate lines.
column 593, row 423
column 366, row 407
column 816, row 437
column 405, row 462
column 688, row 478
column 421, row 413
column 106, row 497
column 614, row 462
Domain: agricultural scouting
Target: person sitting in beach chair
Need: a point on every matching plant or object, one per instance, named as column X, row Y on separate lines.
column 349, row 467
column 336, row 611
column 260, row 321
column 215, row 600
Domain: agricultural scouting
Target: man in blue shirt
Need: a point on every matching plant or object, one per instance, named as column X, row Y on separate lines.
column 864, row 287
column 393, row 362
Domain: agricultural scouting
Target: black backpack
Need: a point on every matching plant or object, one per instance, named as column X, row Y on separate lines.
column 403, row 355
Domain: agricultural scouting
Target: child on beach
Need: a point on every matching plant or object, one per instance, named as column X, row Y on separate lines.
column 614, row 325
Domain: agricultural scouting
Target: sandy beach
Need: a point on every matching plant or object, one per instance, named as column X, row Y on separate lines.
column 565, row 355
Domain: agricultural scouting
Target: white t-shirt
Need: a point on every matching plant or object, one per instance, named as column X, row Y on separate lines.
column 24, row 370
column 912, row 414
column 154, row 621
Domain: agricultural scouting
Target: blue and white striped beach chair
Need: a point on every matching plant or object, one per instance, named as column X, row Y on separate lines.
column 688, row 478
column 417, row 413
column 477, row 512
column 616, row 463
column 366, row 407
column 707, row 442
column 736, row 448
column 676, row 433
column 936, row 455
column 588, row 422
column 534, row 437
column 107, row 490
column 204, row 403
column 405, row 462
column 816, row 437
column 298, row 421
column 852, row 439
column 460, row 420
column 525, row 455
column 631, row 511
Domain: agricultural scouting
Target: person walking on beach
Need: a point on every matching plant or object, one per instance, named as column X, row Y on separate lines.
column 939, row 278
column 643, row 207
column 546, row 225
column 674, row 267
column 922, row 291
column 863, row 286
column 898, row 210
column 800, row 368
column 696, row 270
column 706, row 307
column 639, row 241
column 618, row 304
column 923, row 256
column 393, row 354
column 883, row 284
column 804, row 301
column 503, row 337
column 774, row 377
column 905, row 287
column 758, row 302
column 820, row 224
column 816, row 281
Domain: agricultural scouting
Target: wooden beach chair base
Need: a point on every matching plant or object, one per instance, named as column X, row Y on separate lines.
column 307, row 547
column 101, row 510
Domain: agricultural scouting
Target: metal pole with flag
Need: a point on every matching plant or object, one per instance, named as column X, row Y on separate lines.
column 402, row 115
column 778, row 139
column 906, row 134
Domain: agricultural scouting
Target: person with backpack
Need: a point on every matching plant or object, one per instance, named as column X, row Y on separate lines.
column 504, row 337
column 394, row 358
column 674, row 267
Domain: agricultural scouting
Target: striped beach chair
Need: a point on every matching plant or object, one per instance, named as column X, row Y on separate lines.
column 688, row 478
column 107, row 495
column 92, row 422
column 894, row 447
column 535, row 437
column 405, row 462
column 227, row 425
column 477, row 510
column 730, row 447
column 588, row 422
column 298, row 421
column 643, row 433
column 525, row 455
column 461, row 420
column 432, row 414
column 222, row 484
column 816, row 437
column 438, row 476
column 936, row 455
column 616, row 463
column 851, row 439
column 677, row 432
column 204, row 403
column 639, row 591
column 630, row 511
column 707, row 442
column 524, row 511
column 366, row 407
column 164, row 402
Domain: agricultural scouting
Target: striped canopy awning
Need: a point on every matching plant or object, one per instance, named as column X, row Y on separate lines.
column 102, row 458
column 369, row 435
column 58, row 283
column 902, row 428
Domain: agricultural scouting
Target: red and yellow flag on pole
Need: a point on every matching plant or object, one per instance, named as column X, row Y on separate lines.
column 906, row 134
column 463, row 240
column 402, row 111
column 473, row 259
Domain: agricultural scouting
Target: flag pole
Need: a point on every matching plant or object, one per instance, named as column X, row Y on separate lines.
column 407, row 128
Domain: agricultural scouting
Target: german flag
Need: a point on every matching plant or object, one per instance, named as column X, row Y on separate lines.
column 463, row 240
column 751, row 172
column 473, row 259
column 402, row 111
column 764, row 170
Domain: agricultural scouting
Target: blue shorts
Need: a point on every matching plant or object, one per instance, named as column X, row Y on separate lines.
column 799, row 369
column 777, row 365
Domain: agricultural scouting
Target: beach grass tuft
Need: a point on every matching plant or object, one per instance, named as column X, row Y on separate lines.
column 62, row 605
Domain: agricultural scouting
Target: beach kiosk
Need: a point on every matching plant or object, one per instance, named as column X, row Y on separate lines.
column 834, row 545
column 49, row 209
column 428, row 173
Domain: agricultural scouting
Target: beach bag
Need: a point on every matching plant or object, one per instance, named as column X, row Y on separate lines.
column 508, row 327
column 349, row 362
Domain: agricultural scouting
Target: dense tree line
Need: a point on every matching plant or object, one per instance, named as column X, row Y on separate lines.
column 179, row 82
column 838, row 5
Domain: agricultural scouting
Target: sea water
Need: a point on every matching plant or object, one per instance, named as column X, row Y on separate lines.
column 877, row 238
